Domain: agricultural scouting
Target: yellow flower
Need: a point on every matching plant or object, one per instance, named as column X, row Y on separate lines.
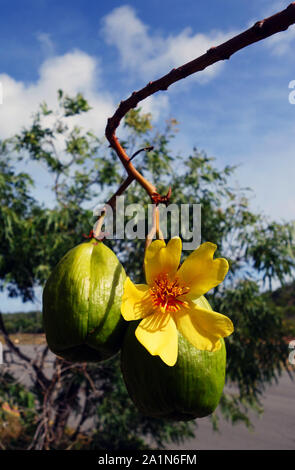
column 166, row 303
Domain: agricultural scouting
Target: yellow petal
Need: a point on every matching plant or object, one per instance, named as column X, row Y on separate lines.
column 158, row 334
column 203, row 328
column 136, row 301
column 162, row 259
column 201, row 272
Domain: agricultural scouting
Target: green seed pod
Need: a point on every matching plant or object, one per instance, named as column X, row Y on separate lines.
column 190, row 389
column 81, row 304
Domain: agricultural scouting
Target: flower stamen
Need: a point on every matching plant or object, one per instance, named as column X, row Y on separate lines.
column 165, row 294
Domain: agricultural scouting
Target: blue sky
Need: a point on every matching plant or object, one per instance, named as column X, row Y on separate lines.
column 238, row 111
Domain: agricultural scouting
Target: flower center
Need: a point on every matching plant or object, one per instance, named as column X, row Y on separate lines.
column 165, row 293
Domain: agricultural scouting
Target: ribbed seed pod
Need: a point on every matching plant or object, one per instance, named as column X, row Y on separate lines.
column 190, row 389
column 81, row 304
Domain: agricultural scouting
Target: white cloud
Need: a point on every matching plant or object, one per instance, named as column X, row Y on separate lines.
column 46, row 43
column 271, row 8
column 151, row 55
column 73, row 72
column 156, row 105
column 282, row 43
column 141, row 52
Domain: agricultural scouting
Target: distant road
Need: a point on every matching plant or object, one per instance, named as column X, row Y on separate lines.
column 274, row 429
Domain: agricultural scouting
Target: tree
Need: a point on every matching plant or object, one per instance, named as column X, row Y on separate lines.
column 35, row 236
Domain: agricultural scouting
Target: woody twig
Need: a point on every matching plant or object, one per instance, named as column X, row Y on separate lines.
column 260, row 30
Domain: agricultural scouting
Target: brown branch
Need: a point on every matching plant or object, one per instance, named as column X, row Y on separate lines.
column 145, row 149
column 11, row 344
column 84, row 416
column 112, row 201
column 260, row 30
column 40, row 377
column 131, row 170
column 96, row 232
column 43, row 356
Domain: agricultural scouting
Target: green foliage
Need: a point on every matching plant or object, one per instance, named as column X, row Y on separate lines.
column 16, row 431
column 29, row 322
column 72, row 106
column 138, row 122
column 271, row 251
column 84, row 173
column 257, row 348
column 283, row 300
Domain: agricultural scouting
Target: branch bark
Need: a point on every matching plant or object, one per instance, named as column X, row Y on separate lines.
column 260, row 30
